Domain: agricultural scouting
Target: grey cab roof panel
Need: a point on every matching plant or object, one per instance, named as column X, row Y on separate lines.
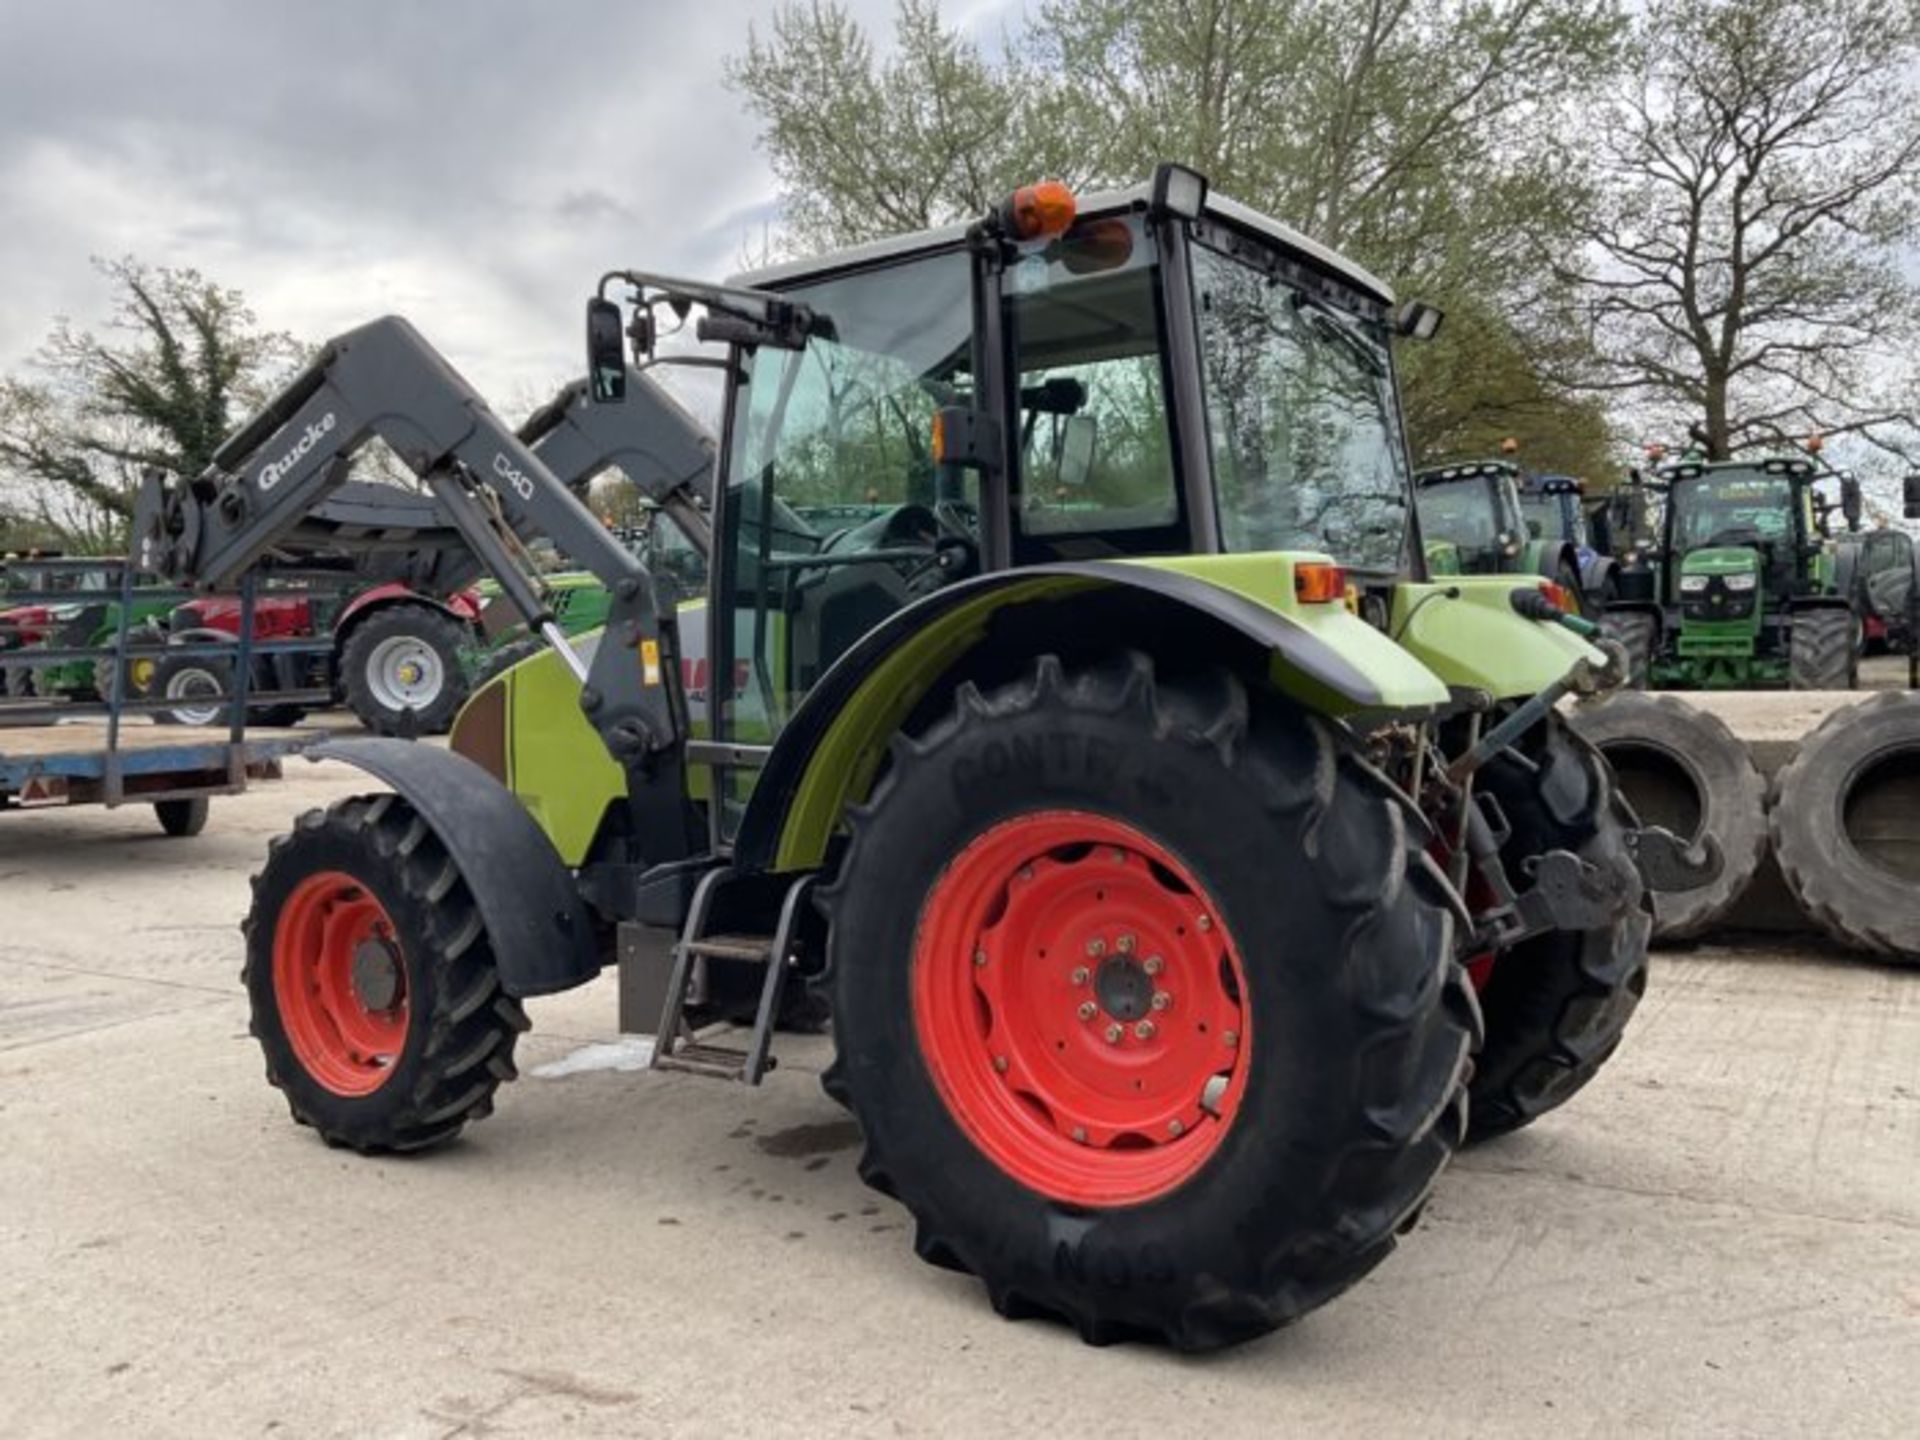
column 1219, row 207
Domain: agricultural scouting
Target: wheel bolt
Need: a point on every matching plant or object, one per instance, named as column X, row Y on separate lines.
column 1081, row 974
column 1206, row 923
column 1000, row 1064
column 1232, row 1037
column 1096, row 948
column 1153, row 965
column 1144, row 1030
column 1161, row 1000
column 1175, row 1128
column 1026, row 872
column 1079, row 1134
column 1113, row 1034
column 1119, row 855
column 1088, row 1009
column 979, row 957
column 1125, row 944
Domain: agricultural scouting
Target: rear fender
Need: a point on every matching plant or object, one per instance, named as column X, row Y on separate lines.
column 830, row 751
column 542, row 933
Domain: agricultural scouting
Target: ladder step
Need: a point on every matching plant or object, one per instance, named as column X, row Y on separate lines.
column 734, row 947
column 719, row 1062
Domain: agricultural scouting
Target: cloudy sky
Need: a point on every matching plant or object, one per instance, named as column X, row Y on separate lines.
column 472, row 164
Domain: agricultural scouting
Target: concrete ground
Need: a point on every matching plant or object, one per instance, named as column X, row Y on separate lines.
column 1721, row 1236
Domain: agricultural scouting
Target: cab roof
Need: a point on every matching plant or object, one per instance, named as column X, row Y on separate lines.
column 1111, row 202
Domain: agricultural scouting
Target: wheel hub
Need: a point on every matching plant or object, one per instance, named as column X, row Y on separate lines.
column 1123, row 988
column 376, row 973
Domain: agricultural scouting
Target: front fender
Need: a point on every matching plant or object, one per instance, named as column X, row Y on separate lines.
column 541, row 930
column 830, row 750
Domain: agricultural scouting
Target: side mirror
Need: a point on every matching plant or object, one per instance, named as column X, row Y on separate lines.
column 1912, row 496
column 1077, row 439
column 1851, row 504
column 1418, row 320
column 606, row 352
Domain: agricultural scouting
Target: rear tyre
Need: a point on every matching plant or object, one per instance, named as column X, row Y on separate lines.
column 401, row 670
column 182, row 818
column 1556, row 1004
column 1681, row 767
column 372, row 982
column 1637, row 633
column 1820, row 651
column 1102, row 852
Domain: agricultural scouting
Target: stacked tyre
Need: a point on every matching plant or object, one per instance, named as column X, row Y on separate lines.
column 1683, row 769
column 1846, row 825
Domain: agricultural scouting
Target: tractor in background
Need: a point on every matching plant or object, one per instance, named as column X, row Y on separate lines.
column 1473, row 522
column 1745, row 592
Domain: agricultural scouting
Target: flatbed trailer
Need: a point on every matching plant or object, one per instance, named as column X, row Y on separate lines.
column 65, row 752
column 174, row 769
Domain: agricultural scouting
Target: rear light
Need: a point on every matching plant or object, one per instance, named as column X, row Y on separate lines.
column 1557, row 596
column 1317, row 583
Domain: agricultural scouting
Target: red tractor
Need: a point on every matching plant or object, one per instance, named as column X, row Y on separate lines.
column 396, row 661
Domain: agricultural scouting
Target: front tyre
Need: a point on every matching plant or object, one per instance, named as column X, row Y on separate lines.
column 1556, row 1004
column 1821, row 653
column 1174, row 1045
column 372, row 982
column 1638, row 633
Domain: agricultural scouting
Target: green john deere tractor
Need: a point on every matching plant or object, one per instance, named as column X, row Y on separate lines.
column 1473, row 522
column 1741, row 591
column 1068, row 710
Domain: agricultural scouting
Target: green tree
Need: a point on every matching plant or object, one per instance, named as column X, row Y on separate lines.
column 1427, row 138
column 1745, row 278
column 180, row 361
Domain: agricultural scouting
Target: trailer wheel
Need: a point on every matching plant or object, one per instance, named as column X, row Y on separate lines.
column 1821, row 654
column 1681, row 767
column 1174, row 1045
column 372, row 982
column 1557, row 1004
column 182, row 818
column 401, row 670
column 1846, row 825
column 1638, row 633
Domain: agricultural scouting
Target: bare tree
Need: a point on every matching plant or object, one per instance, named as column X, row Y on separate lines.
column 1744, row 282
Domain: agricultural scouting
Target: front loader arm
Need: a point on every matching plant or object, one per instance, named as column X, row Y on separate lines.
column 383, row 381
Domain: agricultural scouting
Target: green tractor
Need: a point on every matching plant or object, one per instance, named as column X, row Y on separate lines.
column 1185, row 873
column 1742, row 592
column 1474, row 521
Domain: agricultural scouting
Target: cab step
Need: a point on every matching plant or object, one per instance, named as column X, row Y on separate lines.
column 677, row 1046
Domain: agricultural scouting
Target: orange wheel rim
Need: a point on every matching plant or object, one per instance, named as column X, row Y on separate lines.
column 1080, row 1006
column 340, row 983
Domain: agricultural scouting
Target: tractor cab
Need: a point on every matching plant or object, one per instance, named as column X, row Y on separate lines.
column 1745, row 522
column 1471, row 520
column 1155, row 372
